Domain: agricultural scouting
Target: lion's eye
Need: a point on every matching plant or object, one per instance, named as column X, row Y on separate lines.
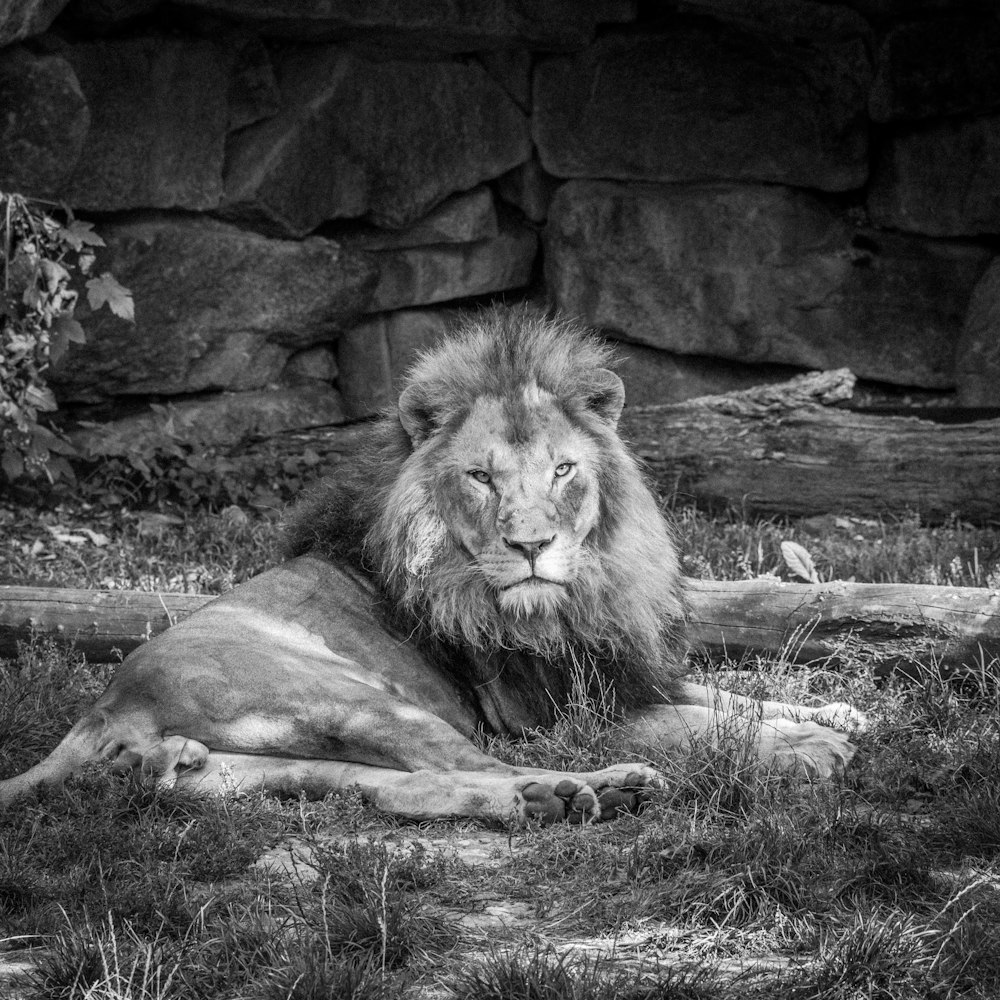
column 480, row 475
column 563, row 469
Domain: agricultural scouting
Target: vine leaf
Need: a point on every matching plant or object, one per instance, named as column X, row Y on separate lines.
column 106, row 290
column 798, row 560
column 41, row 398
column 70, row 328
column 79, row 234
column 11, row 463
column 65, row 330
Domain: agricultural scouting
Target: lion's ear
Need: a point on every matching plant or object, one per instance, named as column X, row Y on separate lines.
column 415, row 415
column 607, row 396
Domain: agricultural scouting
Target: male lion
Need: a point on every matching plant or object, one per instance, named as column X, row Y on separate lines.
column 497, row 535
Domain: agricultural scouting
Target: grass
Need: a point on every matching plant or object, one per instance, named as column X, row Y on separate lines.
column 733, row 881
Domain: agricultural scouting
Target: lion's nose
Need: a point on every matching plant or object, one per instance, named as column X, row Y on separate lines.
column 529, row 549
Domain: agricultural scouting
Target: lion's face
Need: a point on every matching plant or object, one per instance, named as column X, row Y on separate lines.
column 510, row 515
column 518, row 484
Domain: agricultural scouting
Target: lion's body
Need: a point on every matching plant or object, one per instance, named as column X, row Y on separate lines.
column 497, row 535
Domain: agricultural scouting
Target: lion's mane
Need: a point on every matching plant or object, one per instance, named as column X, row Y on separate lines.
column 624, row 611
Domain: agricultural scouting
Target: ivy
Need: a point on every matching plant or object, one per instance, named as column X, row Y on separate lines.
column 43, row 263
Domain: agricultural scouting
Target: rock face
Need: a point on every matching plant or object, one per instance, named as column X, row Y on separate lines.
column 373, row 355
column 697, row 102
column 347, row 143
column 216, row 308
column 463, row 218
column 941, row 179
column 44, row 122
column 758, row 274
column 422, row 275
column 940, row 66
column 159, row 115
column 655, row 377
column 444, row 25
column 300, row 193
column 23, row 18
column 977, row 354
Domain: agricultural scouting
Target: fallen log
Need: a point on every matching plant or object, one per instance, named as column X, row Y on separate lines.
column 103, row 624
column 896, row 626
column 892, row 625
column 788, row 449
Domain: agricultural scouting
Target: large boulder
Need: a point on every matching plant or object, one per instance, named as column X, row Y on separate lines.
column 372, row 356
column 159, row 117
column 977, row 354
column 794, row 20
column 24, row 18
column 942, row 179
column 697, row 101
column 758, row 274
column 253, row 89
column 44, row 122
column 443, row 25
column 463, row 218
column 348, row 141
column 529, row 189
column 423, row 275
column 938, row 66
column 215, row 308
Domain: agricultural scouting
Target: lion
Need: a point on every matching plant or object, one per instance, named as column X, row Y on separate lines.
column 495, row 537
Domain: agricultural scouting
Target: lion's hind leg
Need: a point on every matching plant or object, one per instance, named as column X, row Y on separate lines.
column 97, row 736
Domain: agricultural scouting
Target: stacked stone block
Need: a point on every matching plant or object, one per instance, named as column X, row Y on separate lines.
column 301, row 195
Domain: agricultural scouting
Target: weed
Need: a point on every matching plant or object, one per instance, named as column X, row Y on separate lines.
column 539, row 973
column 732, row 546
column 105, row 962
column 368, row 904
column 41, row 694
column 189, row 551
column 106, row 846
column 586, row 734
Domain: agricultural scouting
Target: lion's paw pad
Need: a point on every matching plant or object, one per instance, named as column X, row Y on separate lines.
column 568, row 799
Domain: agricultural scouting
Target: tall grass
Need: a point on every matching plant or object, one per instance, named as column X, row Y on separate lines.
column 733, row 881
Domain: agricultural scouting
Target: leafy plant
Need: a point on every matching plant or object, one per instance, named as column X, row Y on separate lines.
column 41, row 262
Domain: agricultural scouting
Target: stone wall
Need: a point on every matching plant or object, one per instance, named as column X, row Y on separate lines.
column 301, row 194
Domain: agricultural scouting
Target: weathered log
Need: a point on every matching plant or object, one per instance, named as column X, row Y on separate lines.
column 785, row 450
column 896, row 626
column 103, row 624
column 778, row 449
column 893, row 625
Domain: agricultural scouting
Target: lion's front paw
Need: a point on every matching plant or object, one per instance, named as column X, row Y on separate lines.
column 552, row 800
column 805, row 748
column 588, row 798
column 160, row 764
column 840, row 715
